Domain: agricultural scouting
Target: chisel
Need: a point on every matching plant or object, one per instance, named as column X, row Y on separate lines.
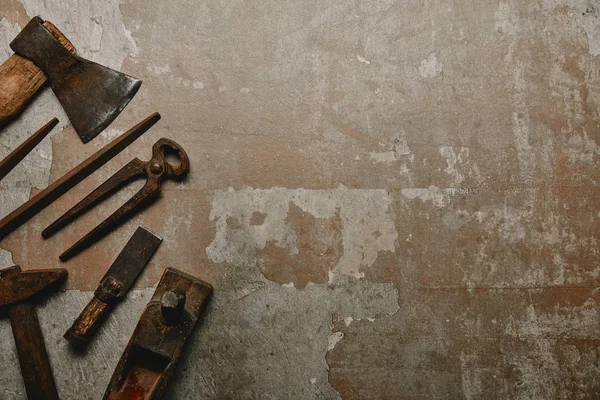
column 114, row 285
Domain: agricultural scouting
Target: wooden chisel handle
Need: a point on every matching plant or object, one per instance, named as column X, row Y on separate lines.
column 88, row 322
column 33, row 358
column 20, row 80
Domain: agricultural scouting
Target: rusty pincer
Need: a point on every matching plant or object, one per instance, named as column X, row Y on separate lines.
column 155, row 171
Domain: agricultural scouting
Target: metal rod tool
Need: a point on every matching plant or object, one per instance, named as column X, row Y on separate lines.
column 18, row 154
column 44, row 198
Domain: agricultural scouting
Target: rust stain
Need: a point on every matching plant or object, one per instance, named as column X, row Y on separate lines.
column 387, row 268
column 572, row 68
column 257, row 218
column 233, row 223
column 441, row 337
column 319, row 246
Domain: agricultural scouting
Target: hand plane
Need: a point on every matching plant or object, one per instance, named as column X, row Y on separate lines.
column 159, row 338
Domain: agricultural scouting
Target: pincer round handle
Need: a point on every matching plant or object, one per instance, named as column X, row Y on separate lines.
column 167, row 146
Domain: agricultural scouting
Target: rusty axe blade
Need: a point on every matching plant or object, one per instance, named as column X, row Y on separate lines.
column 91, row 94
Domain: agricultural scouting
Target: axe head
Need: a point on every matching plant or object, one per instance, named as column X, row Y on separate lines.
column 91, row 94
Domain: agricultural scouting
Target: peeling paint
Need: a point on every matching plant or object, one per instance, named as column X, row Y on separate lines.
column 582, row 149
column 5, row 258
column 440, row 197
column 363, row 60
column 587, row 15
column 504, row 21
column 430, row 67
column 367, row 223
column 8, row 31
column 458, row 165
column 398, row 147
column 334, row 339
column 507, row 221
column 97, row 30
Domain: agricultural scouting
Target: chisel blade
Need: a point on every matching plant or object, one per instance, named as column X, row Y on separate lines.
column 112, row 289
column 133, row 258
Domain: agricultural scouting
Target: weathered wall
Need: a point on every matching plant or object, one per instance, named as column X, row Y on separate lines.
column 393, row 199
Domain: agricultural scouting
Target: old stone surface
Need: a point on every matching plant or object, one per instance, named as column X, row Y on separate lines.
column 392, row 199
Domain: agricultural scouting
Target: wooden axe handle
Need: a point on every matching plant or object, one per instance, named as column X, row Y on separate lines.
column 20, row 79
column 59, row 36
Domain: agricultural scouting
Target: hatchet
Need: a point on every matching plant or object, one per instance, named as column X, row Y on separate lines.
column 20, row 80
column 91, row 94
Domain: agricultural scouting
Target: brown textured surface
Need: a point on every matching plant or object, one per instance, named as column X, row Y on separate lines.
column 319, row 245
column 392, row 199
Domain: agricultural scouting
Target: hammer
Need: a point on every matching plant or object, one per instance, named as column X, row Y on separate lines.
column 16, row 289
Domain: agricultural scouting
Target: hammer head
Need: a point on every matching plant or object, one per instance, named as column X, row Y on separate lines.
column 17, row 286
column 92, row 95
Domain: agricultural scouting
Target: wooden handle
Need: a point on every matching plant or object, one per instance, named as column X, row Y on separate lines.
column 87, row 323
column 20, row 79
column 33, row 358
column 59, row 36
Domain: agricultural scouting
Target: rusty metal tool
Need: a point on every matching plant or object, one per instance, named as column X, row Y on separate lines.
column 41, row 200
column 91, row 94
column 20, row 152
column 155, row 171
column 21, row 80
column 16, row 290
column 114, row 285
column 159, row 338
